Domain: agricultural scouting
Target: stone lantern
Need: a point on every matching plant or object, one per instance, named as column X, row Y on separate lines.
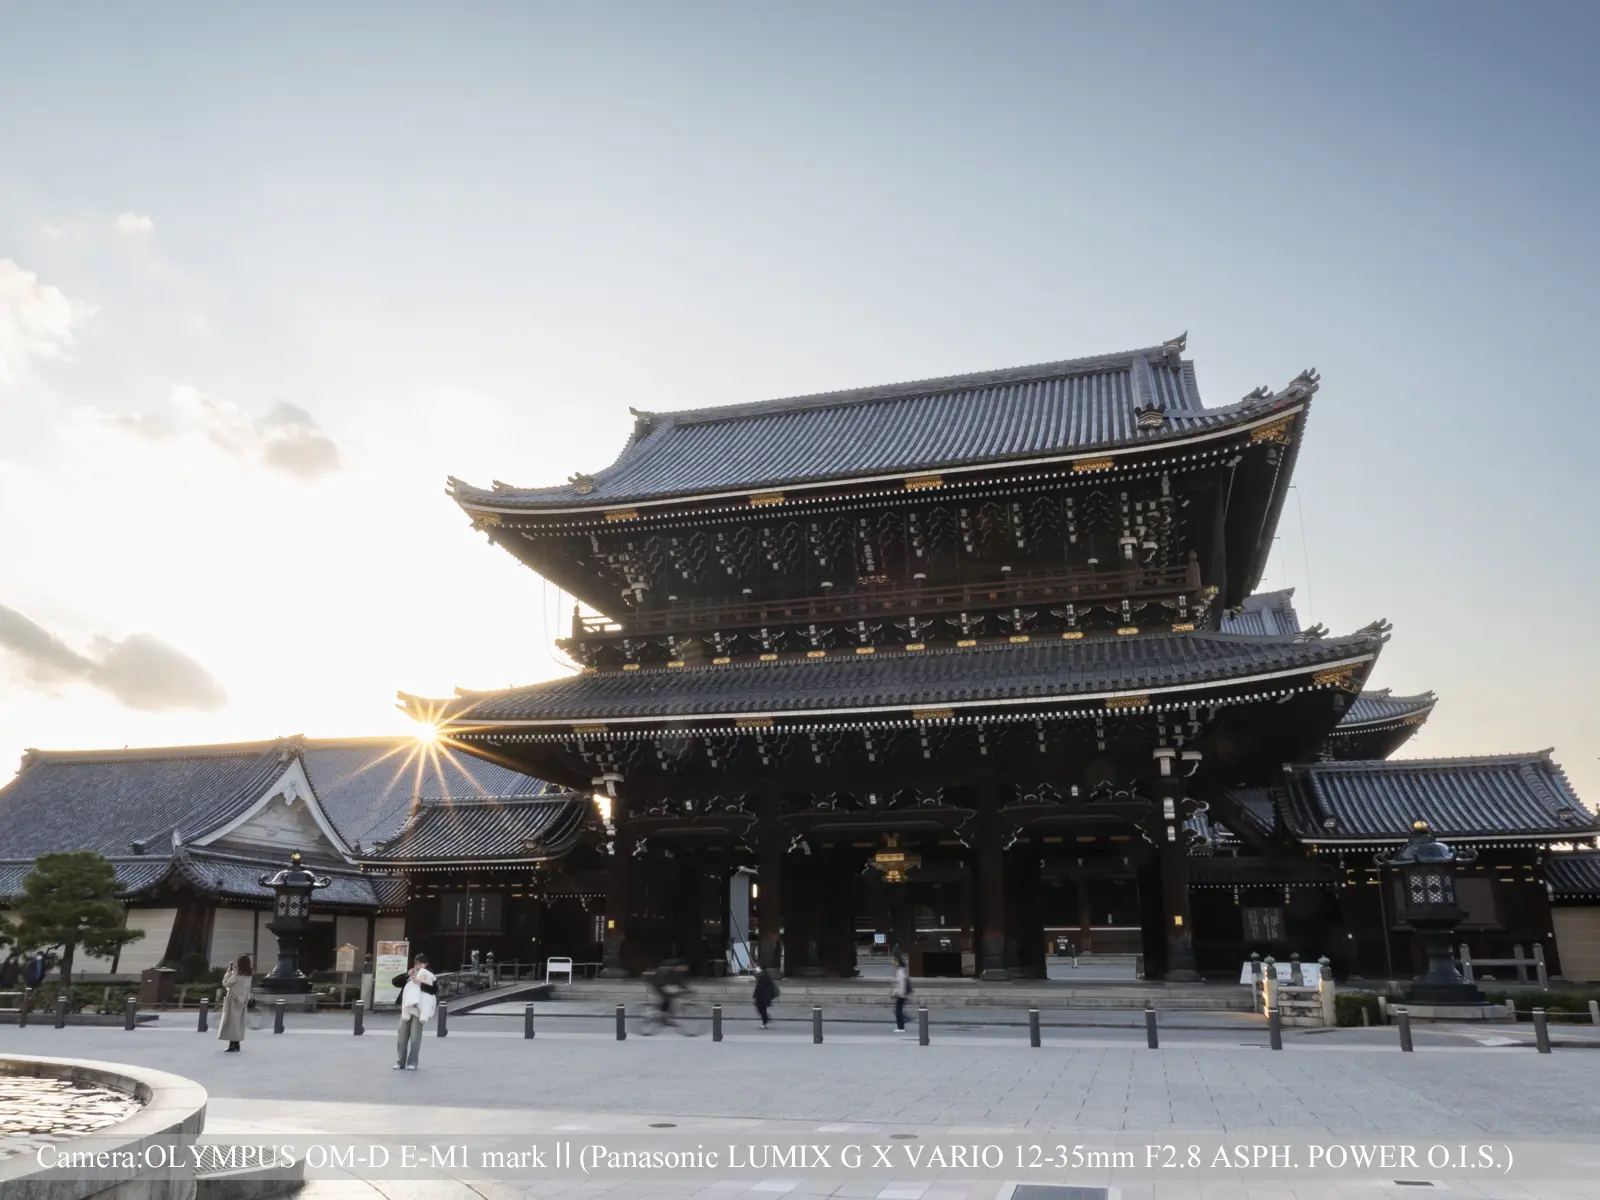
column 1427, row 869
column 291, row 917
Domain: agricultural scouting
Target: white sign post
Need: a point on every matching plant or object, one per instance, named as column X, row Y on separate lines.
column 393, row 958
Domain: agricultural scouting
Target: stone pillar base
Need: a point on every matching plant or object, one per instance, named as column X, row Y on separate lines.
column 995, row 975
column 1182, row 976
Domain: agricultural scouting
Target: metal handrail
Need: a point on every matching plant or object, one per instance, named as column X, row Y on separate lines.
column 880, row 600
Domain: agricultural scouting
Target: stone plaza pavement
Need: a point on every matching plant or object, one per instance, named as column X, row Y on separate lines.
column 1100, row 1087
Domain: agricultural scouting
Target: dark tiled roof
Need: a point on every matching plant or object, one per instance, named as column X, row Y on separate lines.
column 240, row 879
column 392, row 890
column 1041, row 669
column 368, row 786
column 1265, row 614
column 1574, row 874
column 105, row 801
column 1372, row 707
column 133, row 874
column 486, row 829
column 1016, row 414
column 1254, row 805
column 1504, row 795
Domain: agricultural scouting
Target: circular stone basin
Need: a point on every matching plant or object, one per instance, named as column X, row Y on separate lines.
column 35, row 1110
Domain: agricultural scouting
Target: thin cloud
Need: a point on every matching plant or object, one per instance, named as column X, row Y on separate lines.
column 133, row 224
column 287, row 439
column 140, row 672
column 37, row 320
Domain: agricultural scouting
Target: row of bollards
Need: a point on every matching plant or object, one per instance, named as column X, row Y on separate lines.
column 1541, row 1029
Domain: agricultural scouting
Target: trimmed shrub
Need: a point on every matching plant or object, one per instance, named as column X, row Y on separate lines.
column 1348, row 1007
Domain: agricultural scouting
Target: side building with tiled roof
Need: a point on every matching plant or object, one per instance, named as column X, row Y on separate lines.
column 191, row 830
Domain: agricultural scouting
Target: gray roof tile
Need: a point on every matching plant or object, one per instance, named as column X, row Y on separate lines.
column 106, row 801
column 487, row 829
column 995, row 672
column 1510, row 795
column 1375, row 707
column 1264, row 614
column 1020, row 413
column 1574, row 874
column 368, row 786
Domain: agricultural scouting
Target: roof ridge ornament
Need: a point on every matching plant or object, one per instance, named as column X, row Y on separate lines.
column 1304, row 385
column 1173, row 347
column 1314, row 634
column 581, row 483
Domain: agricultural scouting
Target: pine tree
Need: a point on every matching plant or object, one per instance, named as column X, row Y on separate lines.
column 70, row 900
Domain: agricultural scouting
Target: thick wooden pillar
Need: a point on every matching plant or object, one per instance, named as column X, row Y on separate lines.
column 613, row 960
column 1085, row 912
column 1174, row 852
column 991, row 885
column 772, row 844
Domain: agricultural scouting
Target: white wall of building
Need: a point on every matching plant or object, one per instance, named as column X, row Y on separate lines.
column 149, row 950
column 233, row 932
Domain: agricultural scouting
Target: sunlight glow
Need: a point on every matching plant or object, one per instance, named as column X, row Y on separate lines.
column 603, row 803
column 427, row 734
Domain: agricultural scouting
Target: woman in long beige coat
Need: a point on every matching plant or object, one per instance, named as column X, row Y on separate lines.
column 235, row 1000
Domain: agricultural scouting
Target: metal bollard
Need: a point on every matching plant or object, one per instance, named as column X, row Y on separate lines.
column 1151, row 1038
column 22, row 1010
column 1366, row 1017
column 278, row 1010
column 444, row 1020
column 622, row 1022
column 1594, row 1012
column 1275, row 1029
column 1033, row 1027
column 1541, row 1031
column 527, row 1021
column 130, row 1013
column 358, row 1018
column 716, row 1022
column 816, row 1025
column 1402, row 1016
column 922, row 1024
column 61, row 1012
column 205, row 1011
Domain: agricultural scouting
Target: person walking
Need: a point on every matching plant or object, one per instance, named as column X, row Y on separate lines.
column 236, row 981
column 766, row 992
column 418, row 997
column 901, row 989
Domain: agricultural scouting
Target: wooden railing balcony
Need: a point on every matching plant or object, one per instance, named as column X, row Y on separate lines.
column 1018, row 589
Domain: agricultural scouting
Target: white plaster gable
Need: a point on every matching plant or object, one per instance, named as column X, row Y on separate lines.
column 287, row 817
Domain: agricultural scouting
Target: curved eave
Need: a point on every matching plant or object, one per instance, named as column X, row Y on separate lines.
column 1509, row 838
column 1262, row 543
column 480, row 503
column 456, row 715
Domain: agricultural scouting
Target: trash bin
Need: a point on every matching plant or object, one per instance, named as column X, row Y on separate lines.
column 155, row 986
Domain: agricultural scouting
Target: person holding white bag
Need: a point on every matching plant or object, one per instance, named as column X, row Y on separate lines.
column 418, row 998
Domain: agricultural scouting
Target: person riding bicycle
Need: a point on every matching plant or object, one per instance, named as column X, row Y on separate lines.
column 667, row 982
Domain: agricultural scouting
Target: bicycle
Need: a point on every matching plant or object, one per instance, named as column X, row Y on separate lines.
column 685, row 1007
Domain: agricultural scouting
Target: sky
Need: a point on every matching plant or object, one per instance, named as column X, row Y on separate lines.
column 268, row 274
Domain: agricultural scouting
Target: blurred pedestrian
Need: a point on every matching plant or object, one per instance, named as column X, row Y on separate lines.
column 766, row 992
column 900, row 990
